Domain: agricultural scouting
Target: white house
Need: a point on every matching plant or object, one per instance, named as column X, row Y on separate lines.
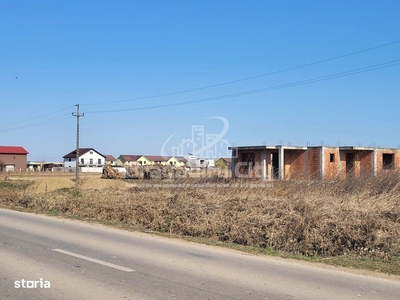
column 194, row 163
column 89, row 160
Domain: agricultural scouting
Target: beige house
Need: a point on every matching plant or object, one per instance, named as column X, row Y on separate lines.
column 131, row 160
column 148, row 160
column 110, row 160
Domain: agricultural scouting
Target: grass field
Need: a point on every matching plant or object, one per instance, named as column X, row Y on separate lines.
column 353, row 223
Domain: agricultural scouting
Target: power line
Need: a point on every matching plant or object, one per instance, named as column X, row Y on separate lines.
column 249, row 78
column 53, row 120
column 276, row 87
column 35, row 118
column 327, row 77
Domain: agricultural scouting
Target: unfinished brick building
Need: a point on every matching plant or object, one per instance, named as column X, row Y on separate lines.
column 320, row 162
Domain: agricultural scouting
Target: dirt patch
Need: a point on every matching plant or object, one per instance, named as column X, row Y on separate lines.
column 93, row 183
column 49, row 184
column 44, row 185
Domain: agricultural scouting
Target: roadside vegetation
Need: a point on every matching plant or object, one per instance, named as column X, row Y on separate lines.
column 352, row 223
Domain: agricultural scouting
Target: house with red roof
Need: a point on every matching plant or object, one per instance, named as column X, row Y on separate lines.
column 13, row 159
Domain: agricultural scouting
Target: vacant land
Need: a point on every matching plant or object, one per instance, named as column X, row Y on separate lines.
column 352, row 222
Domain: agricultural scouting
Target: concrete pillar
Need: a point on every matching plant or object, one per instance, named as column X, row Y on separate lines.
column 374, row 160
column 322, row 163
column 281, row 163
column 264, row 164
column 233, row 164
column 269, row 166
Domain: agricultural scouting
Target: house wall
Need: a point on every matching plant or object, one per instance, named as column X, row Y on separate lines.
column 363, row 163
column 140, row 161
column 143, row 161
column 19, row 161
column 240, row 169
column 224, row 167
column 342, row 164
column 69, row 163
column 173, row 161
column 220, row 163
column 257, row 167
column 380, row 170
column 331, row 165
column 366, row 163
column 91, row 158
column 313, row 163
column 294, row 164
column 119, row 162
column 247, row 163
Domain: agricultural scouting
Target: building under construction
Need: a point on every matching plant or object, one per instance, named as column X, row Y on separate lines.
column 316, row 162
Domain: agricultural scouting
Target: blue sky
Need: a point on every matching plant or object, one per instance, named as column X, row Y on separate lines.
column 145, row 70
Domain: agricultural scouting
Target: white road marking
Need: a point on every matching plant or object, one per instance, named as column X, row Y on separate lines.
column 104, row 263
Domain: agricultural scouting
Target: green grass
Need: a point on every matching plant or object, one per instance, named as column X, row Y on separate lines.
column 15, row 186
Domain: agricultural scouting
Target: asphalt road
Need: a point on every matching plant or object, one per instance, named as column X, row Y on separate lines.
column 69, row 259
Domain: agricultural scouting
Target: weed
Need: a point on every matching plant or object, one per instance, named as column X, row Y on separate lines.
column 337, row 222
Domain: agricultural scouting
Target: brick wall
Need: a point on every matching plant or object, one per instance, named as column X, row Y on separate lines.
column 313, row 163
column 381, row 168
column 18, row 160
column 366, row 163
column 294, row 161
column 331, row 163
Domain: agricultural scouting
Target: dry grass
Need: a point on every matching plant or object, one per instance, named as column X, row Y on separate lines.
column 353, row 218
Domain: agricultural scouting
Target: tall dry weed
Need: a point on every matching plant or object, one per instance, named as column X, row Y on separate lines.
column 359, row 217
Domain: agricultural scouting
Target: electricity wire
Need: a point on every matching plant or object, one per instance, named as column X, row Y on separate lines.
column 248, row 78
column 276, row 87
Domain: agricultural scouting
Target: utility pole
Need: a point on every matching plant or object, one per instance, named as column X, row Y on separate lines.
column 77, row 115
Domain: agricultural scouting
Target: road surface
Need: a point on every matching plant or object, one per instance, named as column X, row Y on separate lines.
column 44, row 257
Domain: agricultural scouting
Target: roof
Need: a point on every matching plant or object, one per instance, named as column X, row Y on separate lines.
column 277, row 147
column 151, row 158
column 82, row 151
column 226, row 159
column 341, row 148
column 129, row 157
column 157, row 157
column 181, row 159
column 12, row 150
column 109, row 157
column 359, row 148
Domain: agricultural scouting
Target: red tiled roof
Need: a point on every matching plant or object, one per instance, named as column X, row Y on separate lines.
column 12, row 150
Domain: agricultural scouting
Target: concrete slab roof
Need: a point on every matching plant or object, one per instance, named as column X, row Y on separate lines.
column 267, row 147
column 341, row 148
column 357, row 148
